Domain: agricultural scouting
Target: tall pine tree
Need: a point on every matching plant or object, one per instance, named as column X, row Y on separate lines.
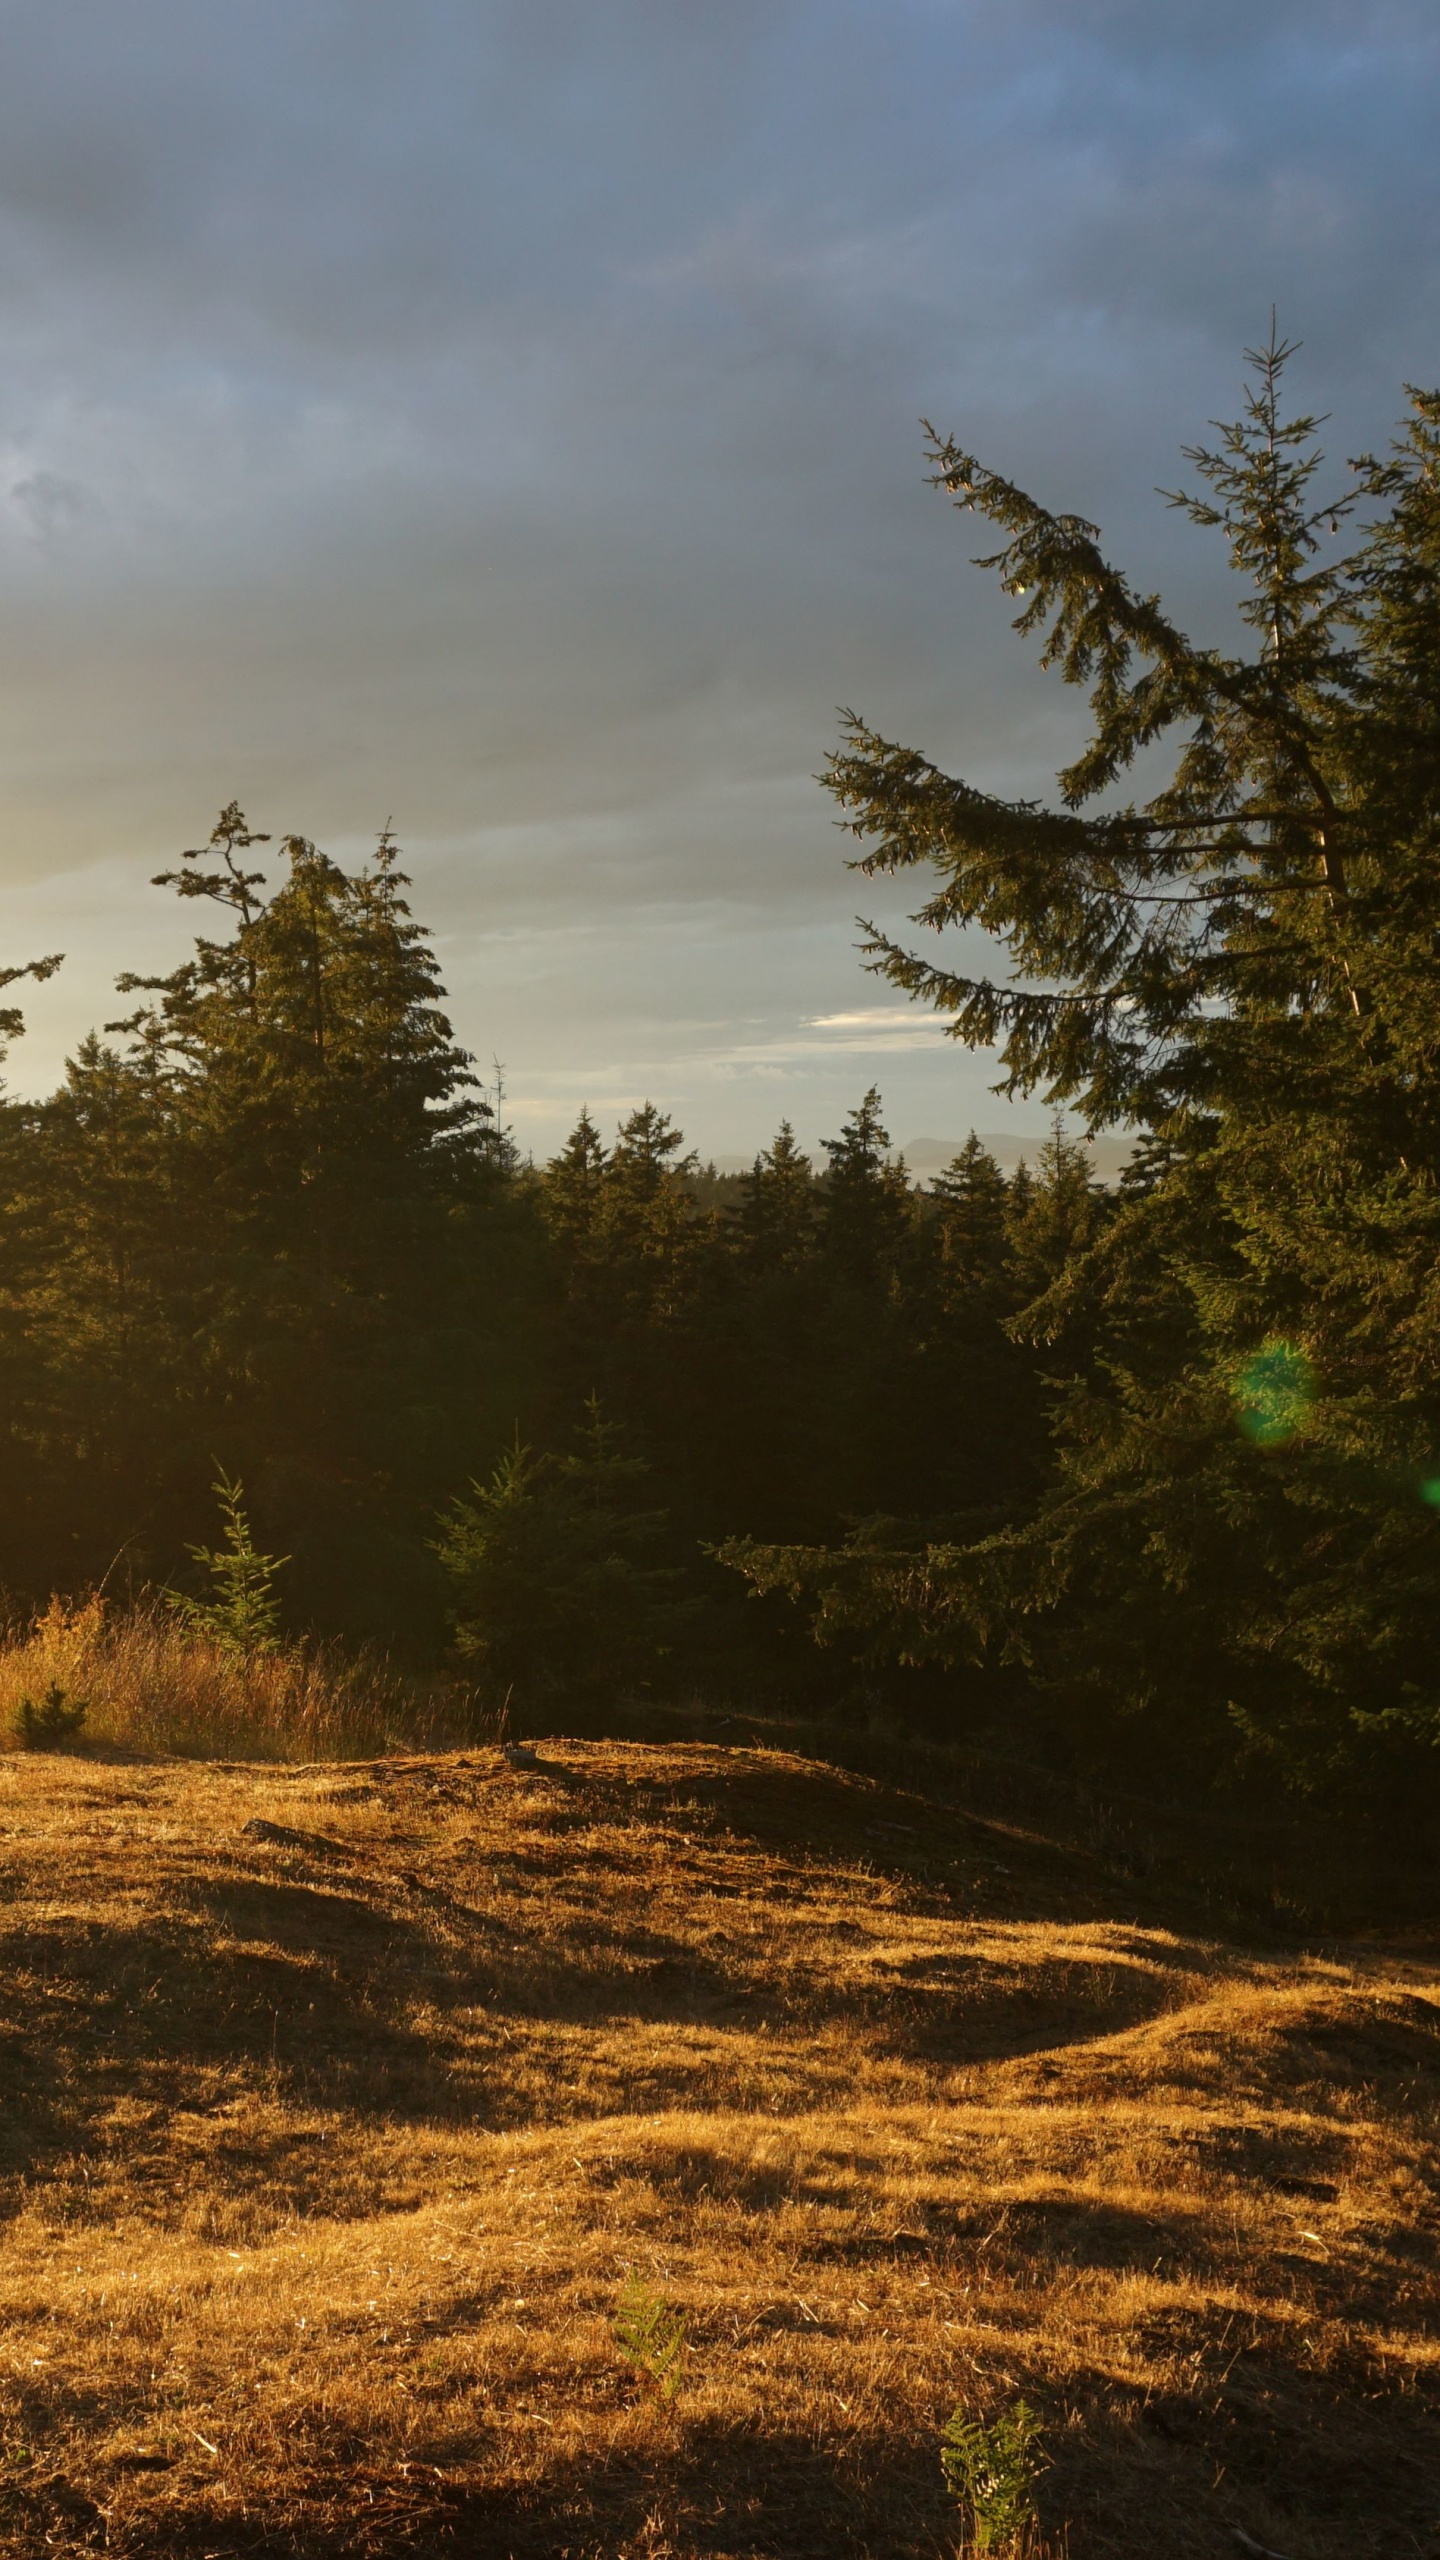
column 274, row 1198
column 1237, row 1554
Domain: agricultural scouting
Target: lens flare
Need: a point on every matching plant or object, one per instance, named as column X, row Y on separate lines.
column 1273, row 1393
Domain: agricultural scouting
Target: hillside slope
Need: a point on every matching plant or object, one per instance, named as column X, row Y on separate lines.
column 337, row 2103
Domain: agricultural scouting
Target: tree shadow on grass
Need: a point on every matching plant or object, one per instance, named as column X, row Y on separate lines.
column 278, row 1986
column 709, row 2492
column 1261, row 2445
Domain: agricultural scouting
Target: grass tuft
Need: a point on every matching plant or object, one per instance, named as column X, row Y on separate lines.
column 153, row 1681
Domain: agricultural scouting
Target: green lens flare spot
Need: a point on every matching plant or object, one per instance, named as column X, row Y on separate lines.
column 1430, row 1492
column 1273, row 1394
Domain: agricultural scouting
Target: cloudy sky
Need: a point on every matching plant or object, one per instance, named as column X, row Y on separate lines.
column 501, row 416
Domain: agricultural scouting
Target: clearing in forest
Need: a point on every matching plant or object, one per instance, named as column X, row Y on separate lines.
column 340, row 2103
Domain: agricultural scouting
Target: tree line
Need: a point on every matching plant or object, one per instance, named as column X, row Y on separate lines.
column 1149, row 1478
column 272, row 1222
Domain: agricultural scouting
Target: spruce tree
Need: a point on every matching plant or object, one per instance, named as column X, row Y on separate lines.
column 1237, row 1554
column 973, row 1205
column 574, row 1187
column 552, row 1563
column 1053, row 1218
column 648, row 1225
column 275, row 1198
column 868, row 1209
column 974, row 1274
column 776, row 1218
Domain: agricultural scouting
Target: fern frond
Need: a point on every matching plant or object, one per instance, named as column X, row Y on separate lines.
column 651, row 2332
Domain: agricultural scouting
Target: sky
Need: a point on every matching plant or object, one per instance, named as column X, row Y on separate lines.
column 500, row 417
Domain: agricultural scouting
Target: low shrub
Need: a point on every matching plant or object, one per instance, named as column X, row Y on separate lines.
column 48, row 1722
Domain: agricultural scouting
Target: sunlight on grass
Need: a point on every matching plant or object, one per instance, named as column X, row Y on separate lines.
column 349, row 2110
column 153, row 1683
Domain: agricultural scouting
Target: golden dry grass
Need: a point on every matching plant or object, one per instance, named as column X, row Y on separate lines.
column 338, row 2102
column 151, row 1683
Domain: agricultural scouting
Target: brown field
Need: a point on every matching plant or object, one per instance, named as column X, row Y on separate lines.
column 339, row 2100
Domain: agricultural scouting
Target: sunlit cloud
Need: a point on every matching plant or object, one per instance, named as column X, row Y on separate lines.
column 877, row 1024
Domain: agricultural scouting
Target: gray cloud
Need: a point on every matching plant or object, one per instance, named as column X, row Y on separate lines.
column 503, row 416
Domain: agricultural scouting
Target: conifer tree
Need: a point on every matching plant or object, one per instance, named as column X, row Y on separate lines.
column 574, row 1186
column 272, row 1200
column 649, row 1224
column 973, row 1276
column 240, row 1610
column 1053, row 1219
column 552, row 1564
column 868, row 1207
column 12, row 1020
column 974, row 1207
column 776, row 1219
column 646, row 1156
column 1241, row 966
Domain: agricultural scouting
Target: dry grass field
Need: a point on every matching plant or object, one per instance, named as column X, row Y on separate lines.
column 338, row 2102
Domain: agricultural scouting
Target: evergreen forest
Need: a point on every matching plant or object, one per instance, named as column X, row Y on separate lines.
column 1139, row 1483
